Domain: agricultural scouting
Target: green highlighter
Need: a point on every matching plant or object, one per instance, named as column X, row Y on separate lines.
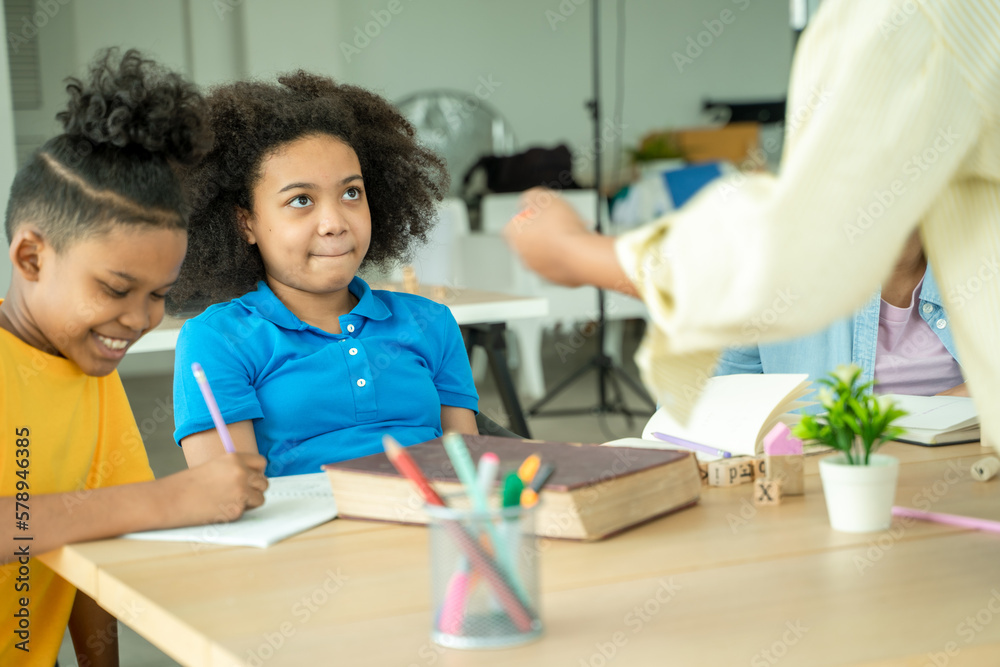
column 512, row 487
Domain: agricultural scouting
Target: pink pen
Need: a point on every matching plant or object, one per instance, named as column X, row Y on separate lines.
column 950, row 519
column 213, row 407
column 453, row 607
column 460, row 584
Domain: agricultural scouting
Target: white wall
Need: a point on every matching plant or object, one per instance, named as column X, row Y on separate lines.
column 57, row 60
column 540, row 55
column 536, row 53
column 217, row 51
column 158, row 28
column 7, row 150
column 290, row 34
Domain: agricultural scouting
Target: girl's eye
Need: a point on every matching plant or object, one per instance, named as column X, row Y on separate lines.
column 353, row 193
column 158, row 297
column 114, row 293
column 300, row 202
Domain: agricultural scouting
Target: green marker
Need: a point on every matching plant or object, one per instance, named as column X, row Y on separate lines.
column 512, row 487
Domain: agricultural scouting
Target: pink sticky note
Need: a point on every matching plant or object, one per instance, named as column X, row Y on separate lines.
column 779, row 442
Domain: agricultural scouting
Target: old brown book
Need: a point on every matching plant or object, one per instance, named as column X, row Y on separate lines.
column 595, row 491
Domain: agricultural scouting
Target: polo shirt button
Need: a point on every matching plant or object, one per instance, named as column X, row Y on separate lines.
column 928, row 308
column 350, row 328
column 353, row 351
column 941, row 324
column 361, row 382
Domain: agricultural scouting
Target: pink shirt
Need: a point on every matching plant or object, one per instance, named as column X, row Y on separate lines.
column 909, row 358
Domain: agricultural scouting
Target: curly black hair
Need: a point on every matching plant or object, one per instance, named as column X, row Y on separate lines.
column 125, row 131
column 251, row 120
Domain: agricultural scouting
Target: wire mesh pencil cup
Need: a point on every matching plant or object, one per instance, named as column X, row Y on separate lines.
column 484, row 576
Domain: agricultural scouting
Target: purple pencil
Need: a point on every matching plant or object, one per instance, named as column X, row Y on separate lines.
column 213, row 407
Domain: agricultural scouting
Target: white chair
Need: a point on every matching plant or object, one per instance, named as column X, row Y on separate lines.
column 435, row 261
column 490, row 265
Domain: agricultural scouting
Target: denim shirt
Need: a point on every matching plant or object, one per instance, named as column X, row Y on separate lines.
column 850, row 340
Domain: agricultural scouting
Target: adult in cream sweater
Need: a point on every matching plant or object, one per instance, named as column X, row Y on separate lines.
column 892, row 125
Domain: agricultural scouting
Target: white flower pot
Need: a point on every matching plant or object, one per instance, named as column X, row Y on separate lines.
column 859, row 498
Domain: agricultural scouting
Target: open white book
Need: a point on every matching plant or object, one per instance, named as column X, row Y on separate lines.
column 292, row 505
column 734, row 414
column 937, row 420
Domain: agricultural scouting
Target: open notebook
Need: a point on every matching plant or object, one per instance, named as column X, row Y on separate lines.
column 734, row 414
column 292, row 505
column 937, row 420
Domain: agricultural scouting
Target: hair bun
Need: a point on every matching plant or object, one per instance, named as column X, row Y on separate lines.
column 133, row 101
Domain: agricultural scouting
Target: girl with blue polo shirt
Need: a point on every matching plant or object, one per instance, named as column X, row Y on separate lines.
column 307, row 182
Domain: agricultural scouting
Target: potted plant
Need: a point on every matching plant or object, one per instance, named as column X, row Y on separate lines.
column 859, row 485
column 658, row 151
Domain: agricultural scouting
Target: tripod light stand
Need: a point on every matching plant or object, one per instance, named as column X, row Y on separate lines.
column 608, row 373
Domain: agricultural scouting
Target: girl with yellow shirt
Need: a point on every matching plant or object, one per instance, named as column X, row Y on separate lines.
column 97, row 235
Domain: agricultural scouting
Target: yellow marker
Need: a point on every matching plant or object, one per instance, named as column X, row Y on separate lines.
column 528, row 469
column 529, row 497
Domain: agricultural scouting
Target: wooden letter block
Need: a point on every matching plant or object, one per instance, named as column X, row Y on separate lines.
column 730, row 472
column 787, row 470
column 745, row 470
column 767, row 492
column 723, row 473
column 759, row 467
column 703, row 471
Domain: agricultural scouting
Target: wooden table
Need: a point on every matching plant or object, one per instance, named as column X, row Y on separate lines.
column 481, row 315
column 723, row 583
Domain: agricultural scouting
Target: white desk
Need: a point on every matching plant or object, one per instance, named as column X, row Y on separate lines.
column 481, row 315
column 468, row 306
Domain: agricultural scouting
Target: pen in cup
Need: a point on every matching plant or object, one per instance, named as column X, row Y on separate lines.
column 515, row 606
column 462, row 581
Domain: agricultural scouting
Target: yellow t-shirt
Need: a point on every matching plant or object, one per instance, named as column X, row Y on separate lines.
column 62, row 431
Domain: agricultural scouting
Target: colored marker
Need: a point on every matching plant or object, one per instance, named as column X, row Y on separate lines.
column 512, row 488
column 528, row 469
column 486, row 473
column 462, row 581
column 213, row 407
column 512, row 604
column 454, row 444
column 529, row 497
column 466, row 470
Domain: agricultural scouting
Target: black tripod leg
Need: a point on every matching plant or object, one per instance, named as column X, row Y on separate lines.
column 496, row 350
column 490, row 338
column 634, row 386
column 567, row 381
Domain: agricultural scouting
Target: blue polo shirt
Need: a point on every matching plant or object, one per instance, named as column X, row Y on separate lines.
column 316, row 397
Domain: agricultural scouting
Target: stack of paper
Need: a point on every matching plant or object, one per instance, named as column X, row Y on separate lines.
column 937, row 420
column 292, row 505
